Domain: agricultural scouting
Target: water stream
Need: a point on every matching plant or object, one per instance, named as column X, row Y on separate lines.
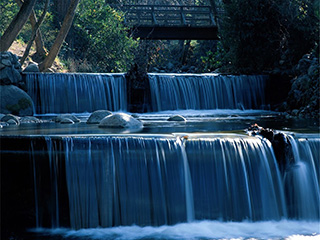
column 199, row 179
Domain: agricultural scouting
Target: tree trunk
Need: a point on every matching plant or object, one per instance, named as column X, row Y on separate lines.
column 34, row 33
column 67, row 22
column 61, row 8
column 40, row 50
column 16, row 25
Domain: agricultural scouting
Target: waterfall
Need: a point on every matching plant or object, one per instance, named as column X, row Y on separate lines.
column 235, row 179
column 187, row 180
column 154, row 181
column 302, row 178
column 77, row 93
column 206, row 91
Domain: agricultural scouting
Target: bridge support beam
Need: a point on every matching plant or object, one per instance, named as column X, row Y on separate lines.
column 175, row 33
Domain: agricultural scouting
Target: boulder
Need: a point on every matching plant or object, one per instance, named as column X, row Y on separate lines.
column 16, row 101
column 295, row 112
column 11, row 119
column 177, row 118
column 120, row 120
column 3, row 124
column 66, row 121
column 13, row 122
column 10, row 68
column 313, row 70
column 62, row 117
column 97, row 116
column 32, row 67
column 30, row 119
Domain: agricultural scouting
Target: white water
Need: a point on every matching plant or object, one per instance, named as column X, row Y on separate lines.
column 206, row 91
column 302, row 178
column 187, row 180
column 77, row 93
column 275, row 230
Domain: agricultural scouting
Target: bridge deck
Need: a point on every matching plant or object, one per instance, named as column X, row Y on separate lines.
column 170, row 21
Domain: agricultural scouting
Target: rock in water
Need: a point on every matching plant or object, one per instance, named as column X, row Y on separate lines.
column 65, row 118
column 177, row 118
column 16, row 101
column 30, row 119
column 66, row 121
column 120, row 120
column 97, row 116
column 10, row 119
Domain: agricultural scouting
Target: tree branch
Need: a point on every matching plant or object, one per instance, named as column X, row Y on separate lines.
column 34, row 32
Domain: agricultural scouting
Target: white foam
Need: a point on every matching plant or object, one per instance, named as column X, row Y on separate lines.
column 284, row 229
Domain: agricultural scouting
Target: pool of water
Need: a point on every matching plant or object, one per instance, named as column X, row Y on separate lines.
column 208, row 121
column 199, row 123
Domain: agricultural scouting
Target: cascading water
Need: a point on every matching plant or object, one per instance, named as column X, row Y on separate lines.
column 302, row 179
column 206, row 91
column 77, row 93
column 114, row 181
column 239, row 179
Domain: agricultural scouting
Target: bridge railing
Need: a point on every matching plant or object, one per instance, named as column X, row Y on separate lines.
column 168, row 15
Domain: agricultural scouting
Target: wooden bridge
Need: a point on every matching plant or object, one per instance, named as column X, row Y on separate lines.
column 181, row 22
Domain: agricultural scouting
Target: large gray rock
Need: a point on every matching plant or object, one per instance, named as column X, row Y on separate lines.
column 10, row 118
column 10, row 68
column 120, row 120
column 32, row 67
column 67, row 121
column 16, row 101
column 30, row 119
column 64, row 118
column 97, row 116
column 177, row 118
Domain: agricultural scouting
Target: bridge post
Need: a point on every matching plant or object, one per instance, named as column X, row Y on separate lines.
column 183, row 19
column 154, row 20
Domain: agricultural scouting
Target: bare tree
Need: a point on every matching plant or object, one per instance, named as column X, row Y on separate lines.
column 67, row 22
column 34, row 33
column 16, row 25
column 40, row 50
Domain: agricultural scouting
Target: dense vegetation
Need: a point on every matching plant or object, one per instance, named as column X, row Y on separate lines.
column 259, row 35
column 256, row 36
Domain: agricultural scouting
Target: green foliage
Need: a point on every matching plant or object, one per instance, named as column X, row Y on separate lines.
column 103, row 37
column 8, row 10
column 257, row 34
column 213, row 60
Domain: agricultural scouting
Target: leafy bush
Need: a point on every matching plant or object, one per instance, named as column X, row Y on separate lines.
column 102, row 37
column 257, row 34
column 8, row 10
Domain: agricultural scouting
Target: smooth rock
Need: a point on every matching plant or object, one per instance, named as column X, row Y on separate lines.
column 10, row 68
column 177, row 118
column 120, row 120
column 32, row 67
column 4, row 124
column 13, row 122
column 6, row 62
column 16, row 101
column 73, row 118
column 30, row 119
column 10, row 73
column 2, row 66
column 97, row 116
column 8, row 117
column 66, row 121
